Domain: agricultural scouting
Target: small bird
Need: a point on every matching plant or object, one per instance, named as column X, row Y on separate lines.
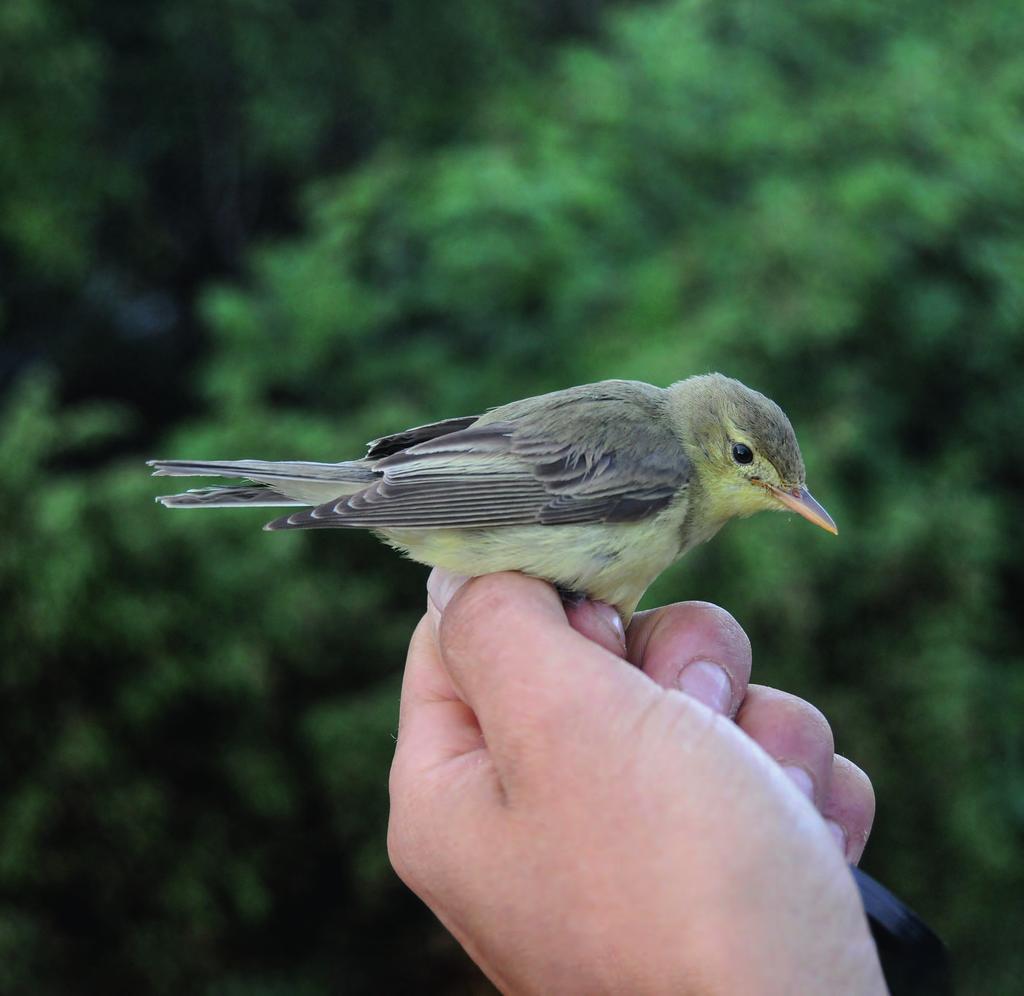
column 596, row 488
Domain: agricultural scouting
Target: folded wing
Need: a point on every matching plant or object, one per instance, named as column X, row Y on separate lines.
column 604, row 453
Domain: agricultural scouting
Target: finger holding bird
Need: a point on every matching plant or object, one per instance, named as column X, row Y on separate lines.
column 596, row 488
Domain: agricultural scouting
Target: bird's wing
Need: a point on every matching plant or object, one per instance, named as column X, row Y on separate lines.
column 575, row 456
column 397, row 441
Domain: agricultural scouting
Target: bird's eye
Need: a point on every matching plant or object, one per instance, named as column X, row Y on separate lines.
column 742, row 453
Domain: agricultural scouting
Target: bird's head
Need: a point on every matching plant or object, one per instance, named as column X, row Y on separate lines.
column 743, row 449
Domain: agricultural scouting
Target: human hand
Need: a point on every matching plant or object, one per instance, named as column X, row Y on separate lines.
column 581, row 825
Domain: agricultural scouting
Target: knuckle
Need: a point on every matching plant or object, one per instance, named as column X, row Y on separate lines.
column 855, row 781
column 724, row 627
column 396, row 781
column 805, row 721
column 397, row 851
column 406, row 828
column 709, row 627
column 798, row 723
column 869, row 798
column 396, row 812
column 814, row 723
column 399, row 845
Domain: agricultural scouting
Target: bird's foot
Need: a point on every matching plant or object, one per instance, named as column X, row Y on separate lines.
column 570, row 596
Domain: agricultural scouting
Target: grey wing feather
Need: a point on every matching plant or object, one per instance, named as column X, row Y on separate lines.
column 252, row 496
column 613, row 458
column 604, row 453
column 398, row 441
column 265, row 470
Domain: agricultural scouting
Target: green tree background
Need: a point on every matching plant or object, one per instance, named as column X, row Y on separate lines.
column 254, row 228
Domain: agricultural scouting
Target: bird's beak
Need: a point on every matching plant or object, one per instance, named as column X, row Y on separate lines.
column 801, row 501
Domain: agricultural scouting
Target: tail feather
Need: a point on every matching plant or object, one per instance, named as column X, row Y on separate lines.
column 349, row 472
column 254, row 496
column 275, row 483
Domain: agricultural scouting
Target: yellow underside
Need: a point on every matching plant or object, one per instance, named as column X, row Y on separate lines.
column 610, row 562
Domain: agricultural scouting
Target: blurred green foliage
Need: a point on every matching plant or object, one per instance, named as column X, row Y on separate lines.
column 273, row 230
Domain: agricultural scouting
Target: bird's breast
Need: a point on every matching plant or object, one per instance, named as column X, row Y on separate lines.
column 610, row 562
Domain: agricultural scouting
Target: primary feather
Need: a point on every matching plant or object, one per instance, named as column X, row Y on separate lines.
column 251, row 496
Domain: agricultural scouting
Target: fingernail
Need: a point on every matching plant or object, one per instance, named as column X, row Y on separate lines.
column 839, row 833
column 801, row 778
column 708, row 683
column 441, row 585
column 611, row 619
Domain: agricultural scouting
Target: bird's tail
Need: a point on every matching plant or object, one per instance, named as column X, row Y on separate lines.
column 275, row 483
column 251, row 496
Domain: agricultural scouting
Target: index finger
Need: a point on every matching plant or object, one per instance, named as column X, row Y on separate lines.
column 696, row 647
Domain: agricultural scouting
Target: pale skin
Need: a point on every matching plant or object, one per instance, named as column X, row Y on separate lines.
column 592, row 811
